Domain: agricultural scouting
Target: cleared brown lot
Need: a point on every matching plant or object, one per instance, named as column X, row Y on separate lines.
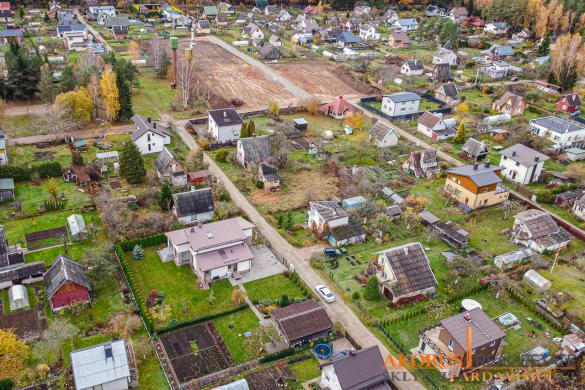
column 229, row 77
column 321, row 79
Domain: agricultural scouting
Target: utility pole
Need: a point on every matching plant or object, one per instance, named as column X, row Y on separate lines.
column 174, row 46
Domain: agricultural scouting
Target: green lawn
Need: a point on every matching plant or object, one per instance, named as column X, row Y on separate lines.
column 20, row 126
column 153, row 96
column 272, row 287
column 306, row 370
column 79, row 343
column 74, row 251
column 232, row 328
column 179, row 286
column 34, row 196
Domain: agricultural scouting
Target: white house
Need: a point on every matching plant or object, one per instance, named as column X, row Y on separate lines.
column 330, row 219
column 412, row 68
column 579, row 208
column 537, row 230
column 284, row 16
column 409, row 24
column 445, row 56
column 252, row 31
column 214, row 250
column 149, row 136
column 102, row 366
column 368, row 32
column 107, row 10
column 400, row 103
column 522, row 164
column 383, row 135
column 496, row 28
column 565, row 133
column 390, row 17
column 224, row 125
column 362, row 369
column 435, row 127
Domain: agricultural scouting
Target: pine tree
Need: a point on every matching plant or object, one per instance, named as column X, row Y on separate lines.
column 460, row 136
column 251, row 129
column 24, row 73
column 544, row 47
column 244, row 133
column 125, row 97
column 132, row 164
column 67, row 81
column 165, row 197
column 372, row 291
column 138, row 252
column 47, row 88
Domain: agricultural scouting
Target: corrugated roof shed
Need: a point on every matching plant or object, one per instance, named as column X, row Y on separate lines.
column 100, row 364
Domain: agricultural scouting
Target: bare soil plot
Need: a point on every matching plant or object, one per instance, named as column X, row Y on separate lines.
column 323, row 80
column 271, row 377
column 229, row 77
column 210, row 354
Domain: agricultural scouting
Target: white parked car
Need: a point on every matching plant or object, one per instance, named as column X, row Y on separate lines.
column 325, row 293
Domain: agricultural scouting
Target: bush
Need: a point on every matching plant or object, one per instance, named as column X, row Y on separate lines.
column 545, row 196
column 203, row 144
column 259, row 184
column 284, row 301
column 372, row 291
column 221, row 155
column 355, row 295
column 21, row 173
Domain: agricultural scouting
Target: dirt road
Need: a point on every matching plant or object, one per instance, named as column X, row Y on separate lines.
column 92, row 30
column 85, row 133
column 338, row 310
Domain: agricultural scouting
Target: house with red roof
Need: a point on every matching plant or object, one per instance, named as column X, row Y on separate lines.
column 569, row 103
column 6, row 13
column 338, row 108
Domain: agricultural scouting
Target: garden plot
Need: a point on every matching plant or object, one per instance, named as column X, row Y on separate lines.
column 196, row 351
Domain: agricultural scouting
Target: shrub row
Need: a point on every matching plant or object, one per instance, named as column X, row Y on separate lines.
column 144, row 242
column 282, row 354
column 309, row 293
column 22, row 173
column 142, row 308
column 203, row 318
column 465, row 293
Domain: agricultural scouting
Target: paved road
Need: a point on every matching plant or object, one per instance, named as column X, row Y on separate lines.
column 268, row 72
column 338, row 310
column 452, row 160
column 92, row 30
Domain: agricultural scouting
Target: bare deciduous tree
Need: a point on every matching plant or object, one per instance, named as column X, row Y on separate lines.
column 186, row 81
column 56, row 121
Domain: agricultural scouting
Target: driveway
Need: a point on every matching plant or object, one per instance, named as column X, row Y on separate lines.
column 338, row 310
column 264, row 264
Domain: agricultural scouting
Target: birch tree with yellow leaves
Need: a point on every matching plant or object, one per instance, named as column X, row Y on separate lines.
column 13, row 356
column 110, row 93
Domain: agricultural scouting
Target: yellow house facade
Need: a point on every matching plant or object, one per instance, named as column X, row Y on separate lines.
column 476, row 185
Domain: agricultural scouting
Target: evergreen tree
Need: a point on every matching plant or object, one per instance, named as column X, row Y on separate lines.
column 371, row 290
column 132, row 164
column 244, row 133
column 251, row 129
column 67, row 82
column 125, row 97
column 165, row 197
column 46, row 18
column 24, row 73
column 544, row 47
column 460, row 136
column 48, row 90
column 138, row 252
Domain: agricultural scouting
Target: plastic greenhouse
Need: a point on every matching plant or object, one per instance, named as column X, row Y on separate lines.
column 536, row 281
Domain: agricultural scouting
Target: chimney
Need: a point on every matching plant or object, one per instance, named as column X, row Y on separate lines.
column 192, row 229
column 209, row 235
column 406, row 250
column 174, row 167
column 225, row 114
column 467, row 317
column 149, row 120
column 536, row 159
column 513, row 153
column 488, row 164
column 154, row 125
column 475, row 166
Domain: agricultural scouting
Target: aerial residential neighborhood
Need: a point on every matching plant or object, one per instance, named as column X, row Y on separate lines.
column 343, row 195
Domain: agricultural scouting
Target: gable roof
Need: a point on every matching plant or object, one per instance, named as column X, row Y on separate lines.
column 7, row 184
column 99, row 364
column 193, row 202
column 348, row 37
column 415, row 65
column 210, row 10
column 360, row 369
column 474, row 147
column 449, row 89
column 411, row 269
column 269, row 51
column 407, row 21
column 481, row 174
column 572, row 100
column 302, row 319
column 380, row 130
column 62, row 271
column 429, row 119
column 442, row 71
column 515, row 99
column 524, row 155
column 443, row 52
column 164, row 160
column 458, row 12
column 328, row 209
column 557, row 124
column 399, row 97
column 120, row 21
column 269, row 172
column 339, row 106
column 540, row 227
column 225, row 117
column 256, row 149
column 144, row 125
column 484, row 330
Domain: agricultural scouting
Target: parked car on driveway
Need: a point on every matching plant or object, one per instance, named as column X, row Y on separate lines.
column 332, row 252
column 325, row 293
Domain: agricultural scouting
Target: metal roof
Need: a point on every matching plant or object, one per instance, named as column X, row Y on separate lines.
column 100, row 364
column 399, row 97
column 558, row 125
column 524, row 155
column 480, row 174
column 6, row 184
column 76, row 224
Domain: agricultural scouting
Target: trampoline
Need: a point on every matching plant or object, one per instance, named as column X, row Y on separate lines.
column 322, row 351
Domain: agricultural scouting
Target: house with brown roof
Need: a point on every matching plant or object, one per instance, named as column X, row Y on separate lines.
column 447, row 93
column 170, row 169
column 537, row 230
column 569, row 103
column 301, row 323
column 422, row 163
column 579, row 208
column 474, row 150
column 477, row 185
column 399, row 39
column 510, row 103
column 382, row 135
column 442, row 73
column 405, row 274
column 361, row 369
column 338, row 108
column 458, row 14
column 214, row 250
column 435, row 127
column 449, row 338
column 66, row 283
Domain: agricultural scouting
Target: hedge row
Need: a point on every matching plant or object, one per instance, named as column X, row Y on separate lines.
column 206, row 317
column 282, row 354
column 142, row 308
column 22, row 173
column 309, row 293
column 144, row 242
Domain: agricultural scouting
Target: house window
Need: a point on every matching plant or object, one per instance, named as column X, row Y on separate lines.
column 148, row 137
column 184, row 257
column 517, row 164
column 493, row 343
column 450, row 346
column 149, row 147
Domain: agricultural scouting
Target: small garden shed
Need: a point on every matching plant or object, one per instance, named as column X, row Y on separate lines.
column 76, row 227
column 18, row 297
column 536, row 281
